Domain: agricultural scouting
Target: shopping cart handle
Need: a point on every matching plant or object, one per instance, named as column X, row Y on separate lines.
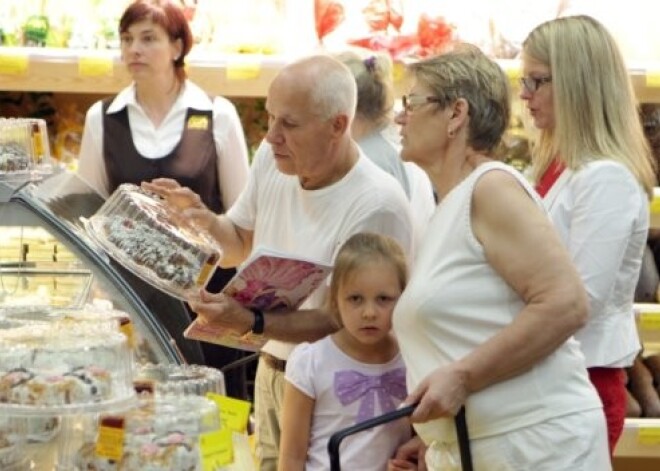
column 338, row 437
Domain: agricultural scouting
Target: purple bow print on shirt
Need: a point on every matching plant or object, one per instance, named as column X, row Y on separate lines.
column 351, row 385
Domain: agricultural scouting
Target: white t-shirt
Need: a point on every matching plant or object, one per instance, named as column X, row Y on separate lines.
column 315, row 369
column 158, row 142
column 453, row 303
column 601, row 213
column 315, row 223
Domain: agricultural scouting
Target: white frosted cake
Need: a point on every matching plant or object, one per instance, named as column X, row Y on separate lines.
column 162, row 434
column 60, row 368
column 153, row 241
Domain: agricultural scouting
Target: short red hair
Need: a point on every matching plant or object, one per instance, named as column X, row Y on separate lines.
column 170, row 17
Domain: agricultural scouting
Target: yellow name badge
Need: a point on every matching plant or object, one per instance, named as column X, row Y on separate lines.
column 13, row 64
column 234, row 413
column 648, row 436
column 95, row 66
column 110, row 440
column 217, row 449
column 198, row 122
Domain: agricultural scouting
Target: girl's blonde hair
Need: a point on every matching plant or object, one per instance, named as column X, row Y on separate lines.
column 359, row 250
column 596, row 115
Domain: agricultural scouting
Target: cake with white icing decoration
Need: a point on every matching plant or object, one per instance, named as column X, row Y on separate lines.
column 162, row 434
column 154, row 241
column 56, row 368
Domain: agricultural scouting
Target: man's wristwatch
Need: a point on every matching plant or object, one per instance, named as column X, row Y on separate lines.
column 258, row 324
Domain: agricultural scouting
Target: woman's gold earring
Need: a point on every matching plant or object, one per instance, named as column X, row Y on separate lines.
column 450, row 132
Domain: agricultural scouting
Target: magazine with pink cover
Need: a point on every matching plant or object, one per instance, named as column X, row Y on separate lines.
column 268, row 281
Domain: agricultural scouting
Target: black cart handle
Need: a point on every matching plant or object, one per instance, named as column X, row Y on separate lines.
column 461, row 432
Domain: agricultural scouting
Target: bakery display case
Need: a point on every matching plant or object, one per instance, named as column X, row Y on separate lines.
column 62, row 300
column 47, row 260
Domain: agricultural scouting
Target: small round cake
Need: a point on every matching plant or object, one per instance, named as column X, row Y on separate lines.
column 60, row 368
column 171, row 379
column 23, row 146
column 154, row 241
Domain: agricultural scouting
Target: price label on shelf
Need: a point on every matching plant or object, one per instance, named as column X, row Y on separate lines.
column 648, row 435
column 513, row 73
column 244, row 68
column 13, row 64
column 654, row 207
column 649, row 320
column 398, row 71
column 94, row 66
column 653, row 78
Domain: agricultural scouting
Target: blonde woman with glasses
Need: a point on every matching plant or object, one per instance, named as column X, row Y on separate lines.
column 594, row 170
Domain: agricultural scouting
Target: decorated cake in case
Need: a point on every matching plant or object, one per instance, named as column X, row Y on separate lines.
column 154, row 241
column 51, row 368
column 23, row 146
column 161, row 434
column 168, row 379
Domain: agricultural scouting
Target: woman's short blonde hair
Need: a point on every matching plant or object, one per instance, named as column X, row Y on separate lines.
column 466, row 72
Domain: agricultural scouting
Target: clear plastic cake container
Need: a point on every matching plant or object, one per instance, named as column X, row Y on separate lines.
column 24, row 147
column 161, row 433
column 154, row 242
column 59, row 369
column 169, row 379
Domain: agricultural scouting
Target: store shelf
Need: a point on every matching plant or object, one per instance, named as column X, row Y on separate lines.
column 640, row 438
column 648, row 325
column 72, row 71
column 81, row 71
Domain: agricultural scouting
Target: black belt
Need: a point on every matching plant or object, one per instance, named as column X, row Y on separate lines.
column 274, row 362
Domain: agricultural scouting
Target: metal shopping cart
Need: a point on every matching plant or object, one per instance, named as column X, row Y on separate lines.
column 461, row 432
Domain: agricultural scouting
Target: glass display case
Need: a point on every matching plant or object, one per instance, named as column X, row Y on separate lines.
column 48, row 261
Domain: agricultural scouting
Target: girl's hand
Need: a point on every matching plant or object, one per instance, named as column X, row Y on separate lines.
column 410, row 455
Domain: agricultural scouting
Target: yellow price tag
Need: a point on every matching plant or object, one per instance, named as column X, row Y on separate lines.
column 398, row 71
column 649, row 320
column 110, row 440
column 243, row 69
column 654, row 207
column 217, row 449
column 513, row 73
column 653, row 78
column 94, row 66
column 234, row 413
column 648, row 436
column 13, row 64
column 126, row 328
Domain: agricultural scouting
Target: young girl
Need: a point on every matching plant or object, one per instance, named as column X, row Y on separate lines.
column 353, row 374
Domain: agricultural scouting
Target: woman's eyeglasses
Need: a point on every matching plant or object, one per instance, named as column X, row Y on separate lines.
column 532, row 84
column 411, row 102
